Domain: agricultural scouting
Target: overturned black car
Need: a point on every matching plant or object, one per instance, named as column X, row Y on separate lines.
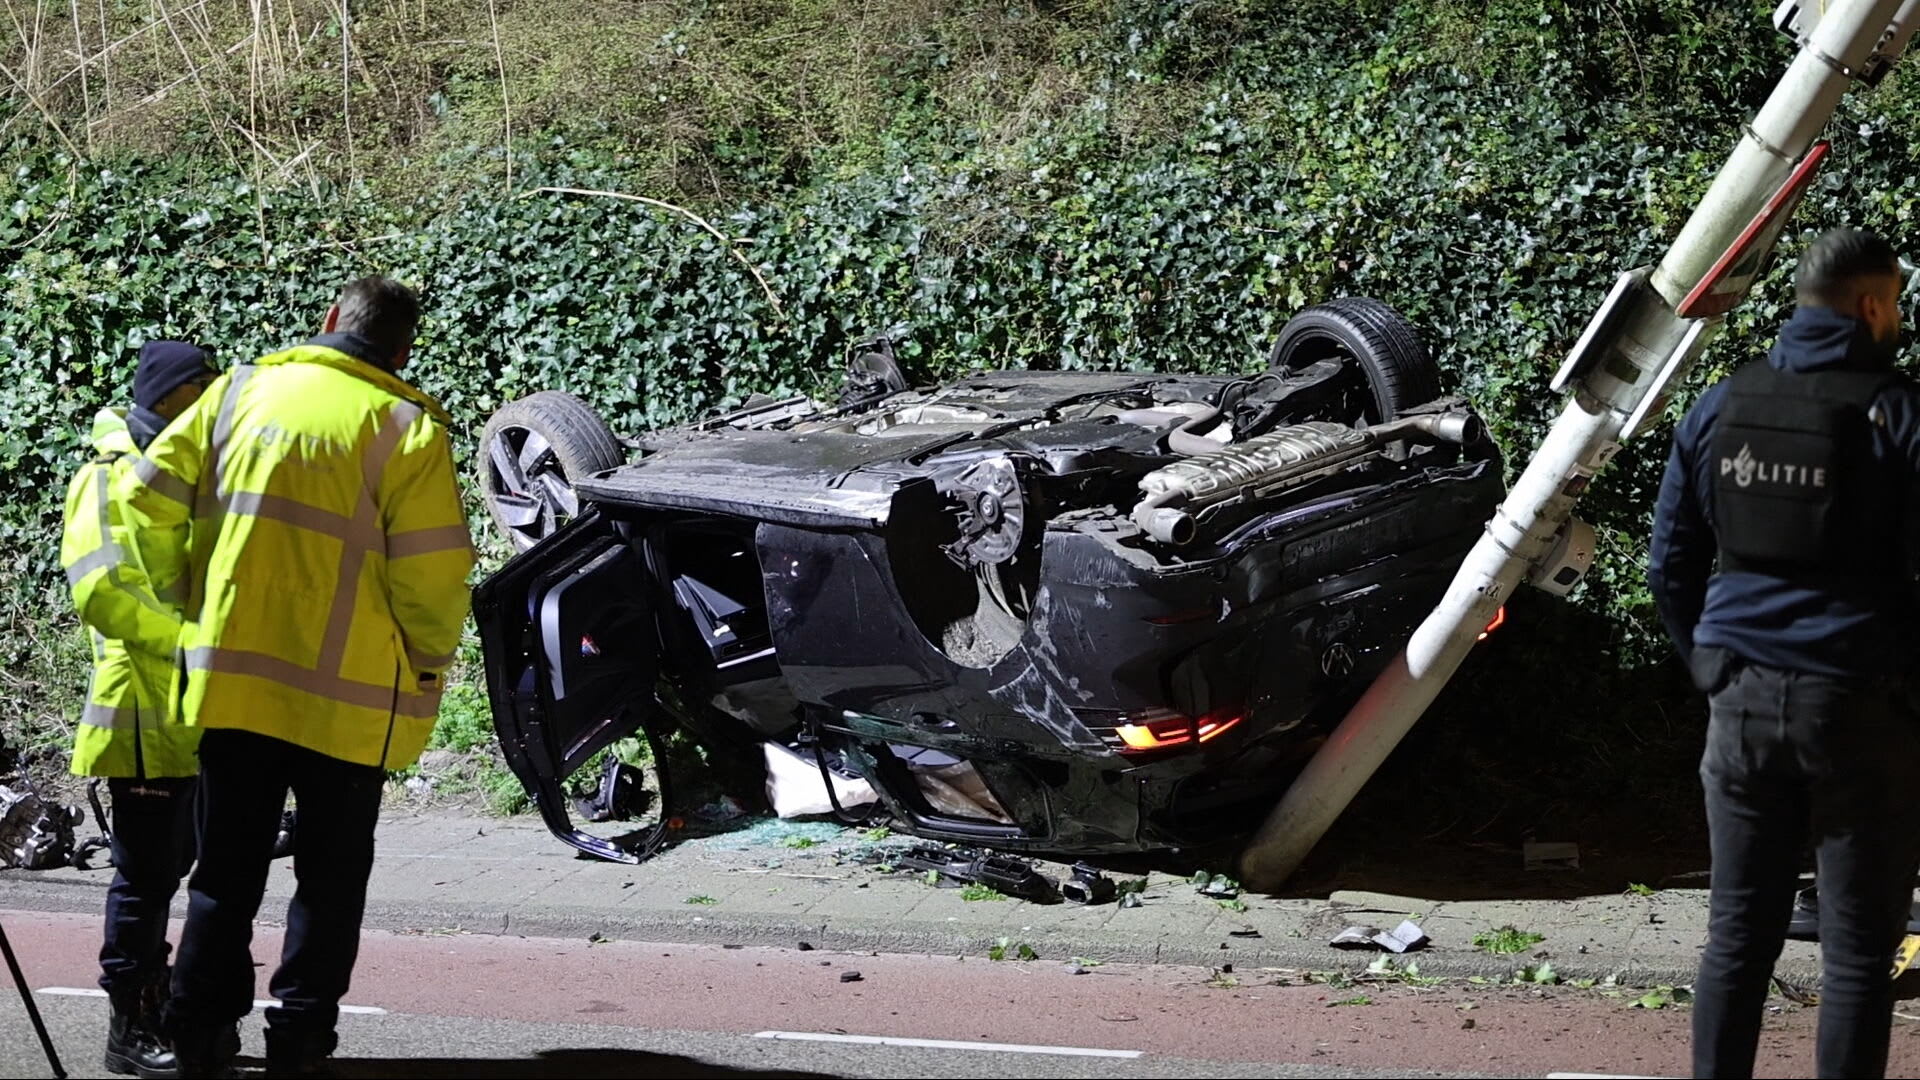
column 1068, row 612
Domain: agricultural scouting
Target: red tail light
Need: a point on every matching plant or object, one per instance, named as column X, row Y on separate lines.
column 1161, row 729
column 1499, row 620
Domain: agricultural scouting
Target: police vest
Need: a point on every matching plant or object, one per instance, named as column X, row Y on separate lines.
column 1797, row 490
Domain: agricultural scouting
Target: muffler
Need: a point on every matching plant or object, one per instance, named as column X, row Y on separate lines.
column 1175, row 495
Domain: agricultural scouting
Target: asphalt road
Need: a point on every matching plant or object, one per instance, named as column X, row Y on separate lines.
column 445, row 1005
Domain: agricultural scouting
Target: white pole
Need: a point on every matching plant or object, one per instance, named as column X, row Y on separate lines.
column 1633, row 360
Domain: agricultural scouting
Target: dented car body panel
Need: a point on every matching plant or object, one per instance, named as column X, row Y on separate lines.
column 972, row 595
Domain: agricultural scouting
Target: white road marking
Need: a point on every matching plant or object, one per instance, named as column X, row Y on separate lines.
column 946, row 1044
column 96, row 992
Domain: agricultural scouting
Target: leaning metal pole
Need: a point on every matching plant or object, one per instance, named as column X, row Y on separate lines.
column 1637, row 346
column 33, row 1010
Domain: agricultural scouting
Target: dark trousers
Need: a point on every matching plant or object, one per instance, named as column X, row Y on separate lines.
column 152, row 849
column 1793, row 757
column 244, row 780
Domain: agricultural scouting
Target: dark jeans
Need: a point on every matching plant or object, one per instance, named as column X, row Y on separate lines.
column 244, row 780
column 152, row 849
column 1792, row 757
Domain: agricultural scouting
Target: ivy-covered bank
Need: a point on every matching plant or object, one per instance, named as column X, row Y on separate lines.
column 1181, row 177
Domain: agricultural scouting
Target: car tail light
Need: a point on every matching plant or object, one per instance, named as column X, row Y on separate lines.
column 1162, row 729
column 1499, row 620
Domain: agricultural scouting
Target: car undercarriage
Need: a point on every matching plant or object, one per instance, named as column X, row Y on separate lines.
column 1065, row 612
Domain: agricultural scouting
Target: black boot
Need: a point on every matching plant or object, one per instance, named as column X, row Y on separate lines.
column 300, row 1054
column 207, row 1053
column 321, row 1067
column 135, row 1047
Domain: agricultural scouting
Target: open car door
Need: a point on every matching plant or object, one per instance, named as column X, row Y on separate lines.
column 572, row 653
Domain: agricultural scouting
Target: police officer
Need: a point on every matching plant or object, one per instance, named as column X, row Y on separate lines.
column 308, row 502
column 1780, row 565
column 125, row 733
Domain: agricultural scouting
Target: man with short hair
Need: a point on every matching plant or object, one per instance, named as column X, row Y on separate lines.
column 308, row 502
column 1781, row 565
column 127, row 733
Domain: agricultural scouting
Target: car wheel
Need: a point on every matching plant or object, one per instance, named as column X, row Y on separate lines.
column 1392, row 369
column 530, row 451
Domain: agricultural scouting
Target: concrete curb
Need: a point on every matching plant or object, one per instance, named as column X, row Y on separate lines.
column 66, row 892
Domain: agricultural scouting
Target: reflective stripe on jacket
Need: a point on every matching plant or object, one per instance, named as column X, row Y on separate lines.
column 308, row 504
column 126, row 729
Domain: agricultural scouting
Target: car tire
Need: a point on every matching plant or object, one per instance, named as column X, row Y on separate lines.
column 530, row 452
column 1400, row 373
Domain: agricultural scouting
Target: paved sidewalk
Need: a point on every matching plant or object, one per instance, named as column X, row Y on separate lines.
column 781, row 884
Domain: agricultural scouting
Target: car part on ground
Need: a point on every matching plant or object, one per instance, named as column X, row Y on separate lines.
column 620, row 794
column 1004, row 874
column 35, row 833
column 1087, row 885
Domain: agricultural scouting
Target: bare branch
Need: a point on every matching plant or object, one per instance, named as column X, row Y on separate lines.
column 46, row 114
column 346, row 81
column 506, row 106
column 206, row 99
column 690, row 216
column 80, row 44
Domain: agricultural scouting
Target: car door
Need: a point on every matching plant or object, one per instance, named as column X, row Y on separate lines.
column 572, row 652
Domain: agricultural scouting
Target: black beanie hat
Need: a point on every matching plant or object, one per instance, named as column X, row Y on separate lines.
column 164, row 367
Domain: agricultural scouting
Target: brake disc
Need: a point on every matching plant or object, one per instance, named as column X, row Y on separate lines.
column 993, row 515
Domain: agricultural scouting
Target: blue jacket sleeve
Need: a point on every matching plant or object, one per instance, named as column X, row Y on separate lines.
column 1899, row 413
column 1680, row 558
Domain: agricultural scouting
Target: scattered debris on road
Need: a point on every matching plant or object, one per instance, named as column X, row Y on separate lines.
column 39, row 835
column 1088, row 885
column 1506, row 940
column 1540, row 974
column 1005, row 874
column 1007, row 947
column 1661, row 997
column 1216, row 886
column 1403, row 938
column 1796, row 993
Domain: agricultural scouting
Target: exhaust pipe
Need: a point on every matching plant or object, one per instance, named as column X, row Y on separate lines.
column 1165, row 524
column 1219, row 475
column 1458, row 427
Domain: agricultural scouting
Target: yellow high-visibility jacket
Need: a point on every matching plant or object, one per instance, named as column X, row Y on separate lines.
column 126, row 728
column 308, row 502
